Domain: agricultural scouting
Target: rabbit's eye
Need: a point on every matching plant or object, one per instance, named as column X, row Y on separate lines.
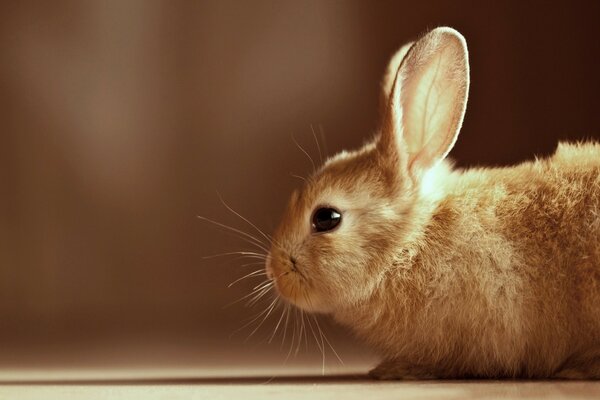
column 325, row 219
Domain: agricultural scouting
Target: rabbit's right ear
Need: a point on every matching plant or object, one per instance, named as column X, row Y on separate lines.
column 427, row 102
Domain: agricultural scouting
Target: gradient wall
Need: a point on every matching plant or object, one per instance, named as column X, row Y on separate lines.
column 121, row 120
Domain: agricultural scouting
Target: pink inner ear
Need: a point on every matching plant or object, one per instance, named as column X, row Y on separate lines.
column 437, row 143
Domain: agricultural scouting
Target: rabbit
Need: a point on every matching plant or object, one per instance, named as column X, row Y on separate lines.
column 446, row 273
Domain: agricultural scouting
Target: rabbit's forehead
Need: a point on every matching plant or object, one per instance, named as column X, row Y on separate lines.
column 348, row 186
column 329, row 194
column 343, row 199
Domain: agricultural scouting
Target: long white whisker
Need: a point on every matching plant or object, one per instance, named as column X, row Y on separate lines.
column 253, row 264
column 285, row 326
column 269, row 283
column 251, row 257
column 252, row 293
column 255, row 318
column 296, row 325
column 319, row 345
column 277, row 326
column 293, row 337
column 254, row 242
column 235, row 253
column 271, row 308
column 245, row 219
column 265, row 283
column 257, row 242
column 322, row 345
column 323, row 140
column 302, row 331
column 305, row 331
column 305, row 152
column 299, row 177
column 301, row 327
column 259, row 296
column 322, row 341
column 259, row 272
column 328, row 343
column 317, row 142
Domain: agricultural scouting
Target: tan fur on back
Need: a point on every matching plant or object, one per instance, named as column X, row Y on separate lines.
column 507, row 269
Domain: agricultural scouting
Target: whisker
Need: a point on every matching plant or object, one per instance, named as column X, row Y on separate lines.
column 259, row 296
column 269, row 380
column 254, row 243
column 295, row 326
column 235, row 253
column 253, row 239
column 250, row 258
column 322, row 342
column 253, row 264
column 259, row 246
column 304, row 151
column 299, row 177
column 322, row 345
column 305, row 330
column 250, row 252
column 266, row 283
column 270, row 283
column 285, row 326
column 312, row 128
column 277, row 326
column 301, row 326
column 323, row 140
column 244, row 219
column 321, row 332
column 253, row 293
column 259, row 272
column 319, row 346
column 302, row 331
column 271, row 308
column 328, row 343
column 255, row 318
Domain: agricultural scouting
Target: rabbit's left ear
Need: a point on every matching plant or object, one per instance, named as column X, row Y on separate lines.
column 390, row 74
column 427, row 102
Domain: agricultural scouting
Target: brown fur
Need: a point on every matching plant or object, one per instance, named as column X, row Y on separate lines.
column 491, row 272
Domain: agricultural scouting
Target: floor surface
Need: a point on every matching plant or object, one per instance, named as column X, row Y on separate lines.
column 174, row 370
column 264, row 383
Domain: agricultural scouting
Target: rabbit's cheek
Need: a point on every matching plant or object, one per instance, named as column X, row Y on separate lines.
column 285, row 287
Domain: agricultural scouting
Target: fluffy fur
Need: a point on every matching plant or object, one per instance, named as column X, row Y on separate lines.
column 490, row 272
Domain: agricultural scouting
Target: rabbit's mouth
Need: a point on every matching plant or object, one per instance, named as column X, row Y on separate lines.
column 285, row 276
column 292, row 284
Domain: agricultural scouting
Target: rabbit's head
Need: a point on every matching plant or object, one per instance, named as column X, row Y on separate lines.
column 346, row 226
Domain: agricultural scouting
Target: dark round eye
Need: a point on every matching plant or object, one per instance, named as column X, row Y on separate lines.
column 325, row 219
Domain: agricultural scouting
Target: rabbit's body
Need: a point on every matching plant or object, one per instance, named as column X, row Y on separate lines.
column 505, row 269
column 491, row 272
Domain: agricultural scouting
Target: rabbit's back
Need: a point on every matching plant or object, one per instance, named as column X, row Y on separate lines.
column 550, row 215
column 513, row 255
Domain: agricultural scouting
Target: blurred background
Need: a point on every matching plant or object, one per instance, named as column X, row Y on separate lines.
column 120, row 121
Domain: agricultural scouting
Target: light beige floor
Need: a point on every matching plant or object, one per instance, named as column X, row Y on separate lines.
column 265, row 383
column 309, row 389
column 174, row 370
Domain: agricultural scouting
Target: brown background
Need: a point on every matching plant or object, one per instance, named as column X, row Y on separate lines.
column 120, row 120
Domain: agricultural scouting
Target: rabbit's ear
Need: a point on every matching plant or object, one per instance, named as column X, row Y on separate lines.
column 390, row 74
column 427, row 102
